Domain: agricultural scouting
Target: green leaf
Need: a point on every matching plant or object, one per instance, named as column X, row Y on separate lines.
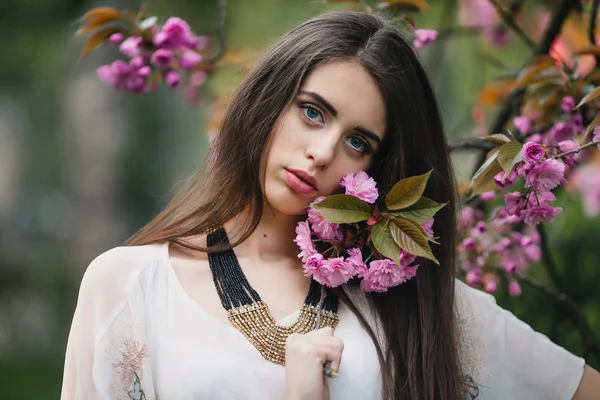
column 412, row 238
column 421, row 211
column 509, row 155
column 589, row 97
column 498, row 138
column 406, row 192
column 483, row 180
column 343, row 209
column 595, row 122
column 384, row 242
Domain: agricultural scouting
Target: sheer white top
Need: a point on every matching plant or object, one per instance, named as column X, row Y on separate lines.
column 136, row 334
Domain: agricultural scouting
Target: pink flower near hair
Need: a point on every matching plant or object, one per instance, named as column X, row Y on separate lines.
column 304, row 241
column 545, row 176
column 360, row 185
column 334, row 272
column 356, row 261
column 175, row 34
column 533, row 153
column 384, row 274
column 428, row 227
column 537, row 214
column 323, row 229
column 424, row 37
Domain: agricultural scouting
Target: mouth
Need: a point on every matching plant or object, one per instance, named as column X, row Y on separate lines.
column 301, row 181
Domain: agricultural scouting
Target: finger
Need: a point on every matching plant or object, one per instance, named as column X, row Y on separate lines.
column 334, row 358
column 327, row 331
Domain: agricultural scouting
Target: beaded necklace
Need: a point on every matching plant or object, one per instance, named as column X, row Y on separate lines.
column 250, row 315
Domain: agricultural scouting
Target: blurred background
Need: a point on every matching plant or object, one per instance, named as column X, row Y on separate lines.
column 83, row 166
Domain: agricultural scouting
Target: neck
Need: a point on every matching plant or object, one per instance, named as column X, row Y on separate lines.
column 272, row 240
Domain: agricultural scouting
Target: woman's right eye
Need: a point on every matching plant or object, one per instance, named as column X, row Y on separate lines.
column 312, row 113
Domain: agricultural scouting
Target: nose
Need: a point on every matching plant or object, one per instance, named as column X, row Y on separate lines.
column 322, row 148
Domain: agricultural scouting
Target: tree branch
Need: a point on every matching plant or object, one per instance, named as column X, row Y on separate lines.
column 577, row 150
column 220, row 34
column 591, row 345
column 543, row 47
column 509, row 19
column 469, row 144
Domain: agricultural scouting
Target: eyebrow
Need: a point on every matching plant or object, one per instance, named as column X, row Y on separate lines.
column 317, row 97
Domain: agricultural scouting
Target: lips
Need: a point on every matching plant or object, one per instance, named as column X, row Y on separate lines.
column 301, row 181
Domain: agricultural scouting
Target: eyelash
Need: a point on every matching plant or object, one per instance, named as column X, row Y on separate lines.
column 367, row 147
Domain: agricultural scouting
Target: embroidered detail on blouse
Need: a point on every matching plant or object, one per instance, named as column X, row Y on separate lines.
column 129, row 365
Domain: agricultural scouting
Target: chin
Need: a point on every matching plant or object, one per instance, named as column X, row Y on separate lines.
column 286, row 201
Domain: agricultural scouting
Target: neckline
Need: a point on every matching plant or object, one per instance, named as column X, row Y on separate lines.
column 288, row 320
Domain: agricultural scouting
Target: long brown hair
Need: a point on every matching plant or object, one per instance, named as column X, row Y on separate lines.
column 419, row 359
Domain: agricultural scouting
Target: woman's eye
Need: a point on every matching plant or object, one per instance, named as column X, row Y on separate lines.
column 312, row 113
column 359, row 144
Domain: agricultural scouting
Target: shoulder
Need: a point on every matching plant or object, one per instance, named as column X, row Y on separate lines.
column 116, row 269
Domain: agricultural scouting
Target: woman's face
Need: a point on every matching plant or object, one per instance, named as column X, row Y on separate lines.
column 334, row 126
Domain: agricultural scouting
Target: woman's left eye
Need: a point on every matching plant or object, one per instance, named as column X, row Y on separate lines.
column 359, row 144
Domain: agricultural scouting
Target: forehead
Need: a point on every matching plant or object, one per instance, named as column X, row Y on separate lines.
column 349, row 88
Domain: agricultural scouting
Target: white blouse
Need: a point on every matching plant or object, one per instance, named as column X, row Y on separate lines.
column 136, row 334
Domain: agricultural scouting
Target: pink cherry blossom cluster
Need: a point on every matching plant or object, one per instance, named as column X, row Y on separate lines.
column 170, row 56
column 316, row 237
column 481, row 15
column 488, row 250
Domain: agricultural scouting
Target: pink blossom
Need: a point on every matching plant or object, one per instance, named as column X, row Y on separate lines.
column 428, row 227
column 144, row 71
column 356, row 261
column 559, row 132
column 537, row 214
column 136, row 62
column 533, row 153
column 360, row 185
column 406, row 258
column 121, row 76
column 162, row 58
column 304, row 241
column 473, row 277
column 533, row 253
column 503, row 181
column 513, row 202
column 546, row 176
column 568, row 145
column 468, row 216
column 523, row 124
column 477, row 14
column 479, row 229
column 486, row 197
column 586, row 180
column 131, row 46
column 172, row 78
column 384, row 274
column 312, row 264
column 323, row 229
column 502, row 245
column 469, row 244
column 541, row 199
column 523, row 169
column 424, row 37
column 514, row 289
column 334, row 272
column 189, row 59
column 567, row 103
column 537, row 138
column 116, row 38
column 175, row 34
column 491, row 285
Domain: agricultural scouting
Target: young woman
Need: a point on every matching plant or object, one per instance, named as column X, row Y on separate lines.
column 175, row 316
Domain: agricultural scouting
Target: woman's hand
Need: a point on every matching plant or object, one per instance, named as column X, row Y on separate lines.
column 305, row 356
